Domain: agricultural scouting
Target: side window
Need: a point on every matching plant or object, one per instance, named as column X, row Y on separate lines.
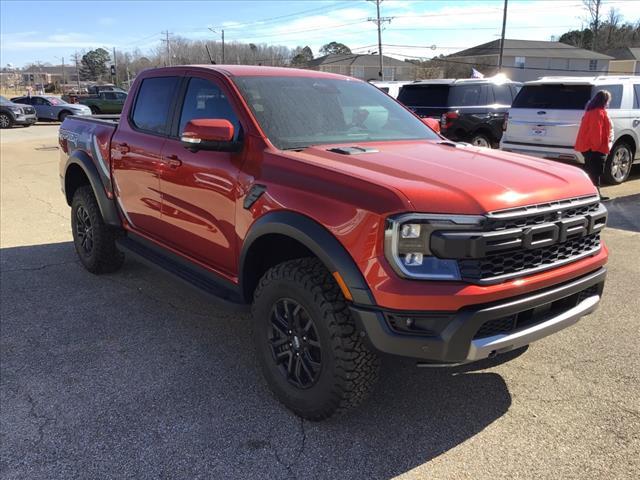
column 110, row 96
column 204, row 99
column 636, row 96
column 24, row 100
column 615, row 91
column 151, row 111
column 120, row 96
column 38, row 101
column 502, row 94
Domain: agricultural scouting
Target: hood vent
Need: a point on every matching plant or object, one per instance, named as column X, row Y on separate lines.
column 352, row 150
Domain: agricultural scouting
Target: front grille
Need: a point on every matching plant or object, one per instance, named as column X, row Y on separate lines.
column 546, row 217
column 533, row 316
column 508, row 263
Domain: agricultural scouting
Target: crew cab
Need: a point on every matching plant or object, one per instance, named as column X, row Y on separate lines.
column 545, row 116
column 347, row 225
column 470, row 110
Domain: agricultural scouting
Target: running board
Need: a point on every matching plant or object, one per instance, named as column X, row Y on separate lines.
column 219, row 290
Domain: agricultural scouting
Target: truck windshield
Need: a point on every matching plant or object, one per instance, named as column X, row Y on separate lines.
column 296, row 112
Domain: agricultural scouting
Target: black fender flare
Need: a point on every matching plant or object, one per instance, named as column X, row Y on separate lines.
column 108, row 207
column 318, row 240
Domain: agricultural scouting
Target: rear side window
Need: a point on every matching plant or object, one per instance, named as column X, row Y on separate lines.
column 614, row 90
column 502, row 94
column 636, row 96
column 151, row 111
column 553, row 96
column 424, row 95
column 468, row 95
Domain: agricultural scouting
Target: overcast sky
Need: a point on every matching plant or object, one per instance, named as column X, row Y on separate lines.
column 46, row 31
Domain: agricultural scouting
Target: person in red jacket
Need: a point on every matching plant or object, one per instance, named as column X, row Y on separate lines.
column 595, row 136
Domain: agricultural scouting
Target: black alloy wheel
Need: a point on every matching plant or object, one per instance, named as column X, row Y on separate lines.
column 295, row 343
column 84, row 230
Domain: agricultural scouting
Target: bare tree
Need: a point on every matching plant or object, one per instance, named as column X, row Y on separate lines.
column 594, row 9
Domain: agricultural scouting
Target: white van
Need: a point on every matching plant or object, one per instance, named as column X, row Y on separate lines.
column 391, row 87
column 545, row 116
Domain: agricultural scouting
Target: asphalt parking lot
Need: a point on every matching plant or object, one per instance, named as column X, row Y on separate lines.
column 132, row 375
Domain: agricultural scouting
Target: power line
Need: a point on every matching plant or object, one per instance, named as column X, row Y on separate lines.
column 166, row 39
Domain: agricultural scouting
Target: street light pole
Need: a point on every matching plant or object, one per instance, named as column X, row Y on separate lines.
column 379, row 21
column 504, row 27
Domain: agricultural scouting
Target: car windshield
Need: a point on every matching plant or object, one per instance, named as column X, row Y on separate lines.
column 296, row 112
column 55, row 101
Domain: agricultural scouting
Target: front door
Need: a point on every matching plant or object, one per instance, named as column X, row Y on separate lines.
column 136, row 153
column 199, row 188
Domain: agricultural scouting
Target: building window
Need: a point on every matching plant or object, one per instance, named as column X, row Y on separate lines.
column 357, row 72
column 388, row 73
column 593, row 65
column 519, row 63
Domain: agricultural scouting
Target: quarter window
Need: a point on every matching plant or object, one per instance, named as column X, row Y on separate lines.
column 636, row 96
column 151, row 112
column 615, row 91
column 502, row 94
column 205, row 100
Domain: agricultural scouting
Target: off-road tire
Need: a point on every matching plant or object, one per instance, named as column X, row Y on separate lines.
column 103, row 256
column 348, row 371
column 5, row 120
column 619, row 149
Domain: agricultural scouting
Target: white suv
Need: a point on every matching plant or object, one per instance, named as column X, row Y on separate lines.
column 545, row 115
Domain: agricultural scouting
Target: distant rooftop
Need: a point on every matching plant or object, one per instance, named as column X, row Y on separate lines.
column 358, row 60
column 531, row 48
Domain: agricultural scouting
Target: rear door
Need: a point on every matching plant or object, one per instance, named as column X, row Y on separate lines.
column 199, row 188
column 136, row 152
column 43, row 108
column 547, row 115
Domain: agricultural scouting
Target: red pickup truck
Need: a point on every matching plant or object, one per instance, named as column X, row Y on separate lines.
column 349, row 226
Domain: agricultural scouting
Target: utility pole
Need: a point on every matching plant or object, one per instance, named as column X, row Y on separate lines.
column 75, row 57
column 115, row 67
column 504, row 27
column 166, row 33
column 222, row 34
column 379, row 21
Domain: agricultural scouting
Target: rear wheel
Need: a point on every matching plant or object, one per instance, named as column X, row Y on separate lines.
column 94, row 110
column 618, row 165
column 5, row 120
column 95, row 242
column 310, row 351
column 481, row 140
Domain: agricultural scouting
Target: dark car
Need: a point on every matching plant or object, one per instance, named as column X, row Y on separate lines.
column 469, row 110
column 14, row 114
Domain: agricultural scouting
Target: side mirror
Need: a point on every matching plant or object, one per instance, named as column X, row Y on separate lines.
column 209, row 134
column 432, row 123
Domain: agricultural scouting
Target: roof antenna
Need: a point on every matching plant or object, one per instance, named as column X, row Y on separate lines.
column 209, row 53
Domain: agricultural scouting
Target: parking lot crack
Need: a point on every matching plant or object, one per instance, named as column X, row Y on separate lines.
column 39, row 267
column 289, row 466
column 42, row 420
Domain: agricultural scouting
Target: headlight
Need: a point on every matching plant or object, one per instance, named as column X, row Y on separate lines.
column 16, row 110
column 407, row 244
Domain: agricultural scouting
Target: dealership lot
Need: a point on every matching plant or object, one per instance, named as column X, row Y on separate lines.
column 134, row 375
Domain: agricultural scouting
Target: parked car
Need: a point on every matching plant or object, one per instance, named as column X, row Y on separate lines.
column 15, row 114
column 546, row 115
column 391, row 87
column 349, row 226
column 104, row 102
column 469, row 110
column 96, row 89
column 52, row 108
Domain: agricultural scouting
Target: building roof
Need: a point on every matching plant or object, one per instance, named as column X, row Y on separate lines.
column 358, row 60
column 531, row 48
column 625, row 53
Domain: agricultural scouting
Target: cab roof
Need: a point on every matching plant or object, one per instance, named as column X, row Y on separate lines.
column 262, row 71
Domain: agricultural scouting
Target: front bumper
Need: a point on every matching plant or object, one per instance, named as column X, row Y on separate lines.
column 480, row 331
column 25, row 119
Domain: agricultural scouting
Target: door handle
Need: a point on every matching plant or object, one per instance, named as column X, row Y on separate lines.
column 173, row 161
column 122, row 148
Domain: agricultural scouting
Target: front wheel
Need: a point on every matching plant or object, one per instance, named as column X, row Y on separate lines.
column 310, row 351
column 95, row 242
column 62, row 116
column 5, row 121
column 618, row 165
column 94, row 110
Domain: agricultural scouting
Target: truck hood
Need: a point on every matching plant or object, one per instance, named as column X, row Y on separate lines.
column 443, row 177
